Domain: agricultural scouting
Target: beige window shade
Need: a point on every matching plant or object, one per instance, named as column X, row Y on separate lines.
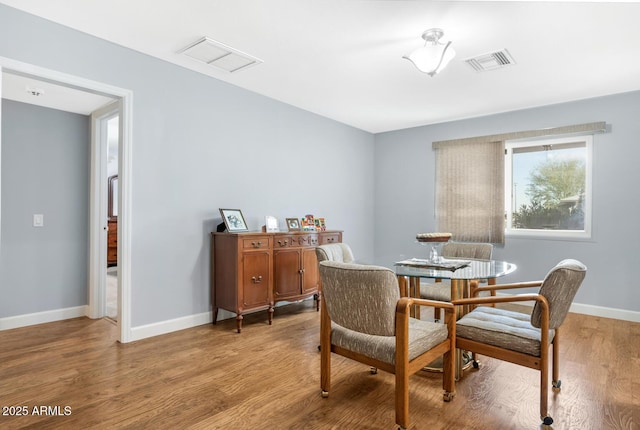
column 470, row 181
column 470, row 191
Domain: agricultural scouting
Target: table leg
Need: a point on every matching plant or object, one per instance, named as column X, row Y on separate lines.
column 402, row 285
column 414, row 291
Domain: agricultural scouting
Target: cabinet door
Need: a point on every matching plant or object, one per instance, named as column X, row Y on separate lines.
column 255, row 278
column 287, row 273
column 310, row 273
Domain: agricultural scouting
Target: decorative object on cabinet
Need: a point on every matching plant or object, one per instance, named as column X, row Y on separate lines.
column 320, row 224
column 293, row 224
column 271, row 224
column 233, row 220
column 252, row 271
column 308, row 223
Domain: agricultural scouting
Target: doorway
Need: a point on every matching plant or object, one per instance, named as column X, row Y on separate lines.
column 98, row 191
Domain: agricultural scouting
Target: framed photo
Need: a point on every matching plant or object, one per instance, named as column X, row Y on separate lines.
column 271, row 224
column 233, row 220
column 293, row 224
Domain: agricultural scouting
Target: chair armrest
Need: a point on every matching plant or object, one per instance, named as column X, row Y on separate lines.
column 424, row 302
column 499, row 299
column 514, row 286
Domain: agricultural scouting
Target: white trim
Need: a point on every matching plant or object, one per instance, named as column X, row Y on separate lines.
column 125, row 227
column 169, row 326
column 25, row 320
column 124, row 180
column 592, row 310
column 508, row 183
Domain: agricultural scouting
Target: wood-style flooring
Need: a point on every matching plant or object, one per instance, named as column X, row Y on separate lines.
column 267, row 377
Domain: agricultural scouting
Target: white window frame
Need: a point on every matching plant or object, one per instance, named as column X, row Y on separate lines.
column 508, row 183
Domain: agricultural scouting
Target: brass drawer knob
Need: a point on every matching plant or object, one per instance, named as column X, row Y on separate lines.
column 256, row 280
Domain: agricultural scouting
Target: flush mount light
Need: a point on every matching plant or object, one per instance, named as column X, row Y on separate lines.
column 433, row 56
column 219, row 55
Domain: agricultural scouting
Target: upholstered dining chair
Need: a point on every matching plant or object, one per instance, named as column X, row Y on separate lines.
column 364, row 319
column 335, row 252
column 521, row 338
column 442, row 290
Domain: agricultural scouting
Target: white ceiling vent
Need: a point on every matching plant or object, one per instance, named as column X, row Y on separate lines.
column 491, row 61
column 219, row 55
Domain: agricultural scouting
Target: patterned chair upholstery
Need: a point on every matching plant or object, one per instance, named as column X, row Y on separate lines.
column 364, row 318
column 442, row 290
column 335, row 252
column 520, row 338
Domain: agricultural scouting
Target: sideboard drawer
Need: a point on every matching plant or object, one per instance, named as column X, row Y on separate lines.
column 283, row 242
column 327, row 238
column 257, row 242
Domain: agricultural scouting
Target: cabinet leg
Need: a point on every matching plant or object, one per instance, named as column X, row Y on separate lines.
column 271, row 315
column 316, row 297
column 215, row 315
column 239, row 323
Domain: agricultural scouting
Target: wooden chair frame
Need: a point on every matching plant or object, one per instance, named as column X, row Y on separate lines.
column 540, row 363
column 403, row 367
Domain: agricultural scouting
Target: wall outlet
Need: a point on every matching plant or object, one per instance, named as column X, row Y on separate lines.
column 38, row 220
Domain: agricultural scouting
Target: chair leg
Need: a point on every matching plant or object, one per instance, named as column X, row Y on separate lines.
column 402, row 397
column 544, row 387
column 325, row 351
column 555, row 380
column 448, row 375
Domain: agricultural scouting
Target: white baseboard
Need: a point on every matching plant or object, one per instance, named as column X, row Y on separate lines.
column 596, row 311
column 164, row 327
column 25, row 320
column 601, row 311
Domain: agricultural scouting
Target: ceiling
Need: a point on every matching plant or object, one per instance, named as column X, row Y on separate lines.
column 34, row 91
column 342, row 59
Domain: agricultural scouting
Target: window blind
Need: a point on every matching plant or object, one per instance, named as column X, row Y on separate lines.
column 470, row 181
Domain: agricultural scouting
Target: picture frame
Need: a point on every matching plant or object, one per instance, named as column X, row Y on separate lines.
column 233, row 220
column 271, row 224
column 293, row 224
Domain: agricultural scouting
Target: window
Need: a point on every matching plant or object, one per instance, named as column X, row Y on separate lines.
column 548, row 187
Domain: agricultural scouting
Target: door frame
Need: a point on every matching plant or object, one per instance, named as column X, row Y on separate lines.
column 97, row 233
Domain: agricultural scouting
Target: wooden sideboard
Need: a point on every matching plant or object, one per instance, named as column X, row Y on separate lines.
column 252, row 271
column 112, row 242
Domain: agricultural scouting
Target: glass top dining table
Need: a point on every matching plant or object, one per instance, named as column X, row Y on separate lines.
column 474, row 269
column 463, row 274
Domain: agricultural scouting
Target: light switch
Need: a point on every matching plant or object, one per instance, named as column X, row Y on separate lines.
column 38, row 220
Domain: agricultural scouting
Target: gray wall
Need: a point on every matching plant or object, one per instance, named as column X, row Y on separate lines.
column 198, row 145
column 45, row 169
column 404, row 196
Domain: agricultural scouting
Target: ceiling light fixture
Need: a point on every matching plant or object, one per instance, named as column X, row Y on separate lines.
column 433, row 56
column 36, row 92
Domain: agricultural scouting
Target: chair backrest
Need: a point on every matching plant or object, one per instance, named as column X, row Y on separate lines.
column 479, row 251
column 335, row 252
column 360, row 297
column 559, row 288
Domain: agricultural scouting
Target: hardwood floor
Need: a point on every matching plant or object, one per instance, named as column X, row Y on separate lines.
column 210, row 377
